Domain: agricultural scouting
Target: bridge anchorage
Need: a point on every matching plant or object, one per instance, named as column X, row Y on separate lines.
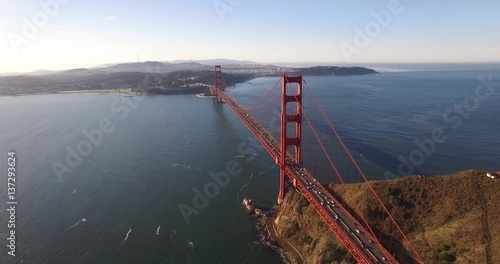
column 346, row 220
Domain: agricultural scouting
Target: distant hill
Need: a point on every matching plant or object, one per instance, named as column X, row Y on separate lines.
column 217, row 62
column 80, row 71
column 449, row 219
column 155, row 77
column 39, row 72
column 154, row 67
column 335, row 70
column 231, row 66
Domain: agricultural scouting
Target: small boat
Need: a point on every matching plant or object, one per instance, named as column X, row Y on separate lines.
column 204, row 95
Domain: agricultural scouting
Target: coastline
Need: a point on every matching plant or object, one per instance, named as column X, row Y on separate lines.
column 125, row 91
column 266, row 230
column 264, row 233
column 171, row 88
column 74, row 92
column 110, row 91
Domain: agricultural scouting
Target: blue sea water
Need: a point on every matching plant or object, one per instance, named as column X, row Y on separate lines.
column 162, row 150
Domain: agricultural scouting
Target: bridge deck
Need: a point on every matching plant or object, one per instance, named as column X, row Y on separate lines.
column 361, row 244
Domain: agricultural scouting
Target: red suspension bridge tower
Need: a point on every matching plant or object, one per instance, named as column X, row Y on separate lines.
column 218, row 85
column 289, row 84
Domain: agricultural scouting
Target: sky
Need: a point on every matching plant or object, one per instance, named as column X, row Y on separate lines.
column 62, row 34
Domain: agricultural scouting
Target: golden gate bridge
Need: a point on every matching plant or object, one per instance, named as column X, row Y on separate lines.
column 310, row 152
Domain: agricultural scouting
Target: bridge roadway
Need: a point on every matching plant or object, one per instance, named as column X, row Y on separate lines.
column 361, row 244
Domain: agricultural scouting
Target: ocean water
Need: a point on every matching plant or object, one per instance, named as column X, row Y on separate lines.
column 157, row 152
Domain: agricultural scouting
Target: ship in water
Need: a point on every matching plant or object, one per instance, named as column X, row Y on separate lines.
column 205, row 95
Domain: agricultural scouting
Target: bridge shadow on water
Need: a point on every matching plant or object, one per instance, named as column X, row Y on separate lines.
column 386, row 162
column 234, row 136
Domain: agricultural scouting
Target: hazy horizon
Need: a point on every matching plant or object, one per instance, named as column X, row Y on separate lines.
column 60, row 68
column 63, row 34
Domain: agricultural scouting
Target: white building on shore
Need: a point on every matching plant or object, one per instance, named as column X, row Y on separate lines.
column 492, row 175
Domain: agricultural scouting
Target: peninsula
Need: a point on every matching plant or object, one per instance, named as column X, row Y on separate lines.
column 153, row 77
column 449, row 219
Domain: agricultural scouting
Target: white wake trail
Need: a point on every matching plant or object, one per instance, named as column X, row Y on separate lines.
column 252, row 178
column 77, row 223
column 126, row 236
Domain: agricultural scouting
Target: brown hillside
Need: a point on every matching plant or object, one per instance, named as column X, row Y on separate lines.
column 456, row 214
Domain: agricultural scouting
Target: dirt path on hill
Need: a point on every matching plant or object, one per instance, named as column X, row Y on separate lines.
column 289, row 248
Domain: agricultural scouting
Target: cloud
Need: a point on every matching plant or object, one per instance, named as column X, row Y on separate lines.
column 111, row 18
